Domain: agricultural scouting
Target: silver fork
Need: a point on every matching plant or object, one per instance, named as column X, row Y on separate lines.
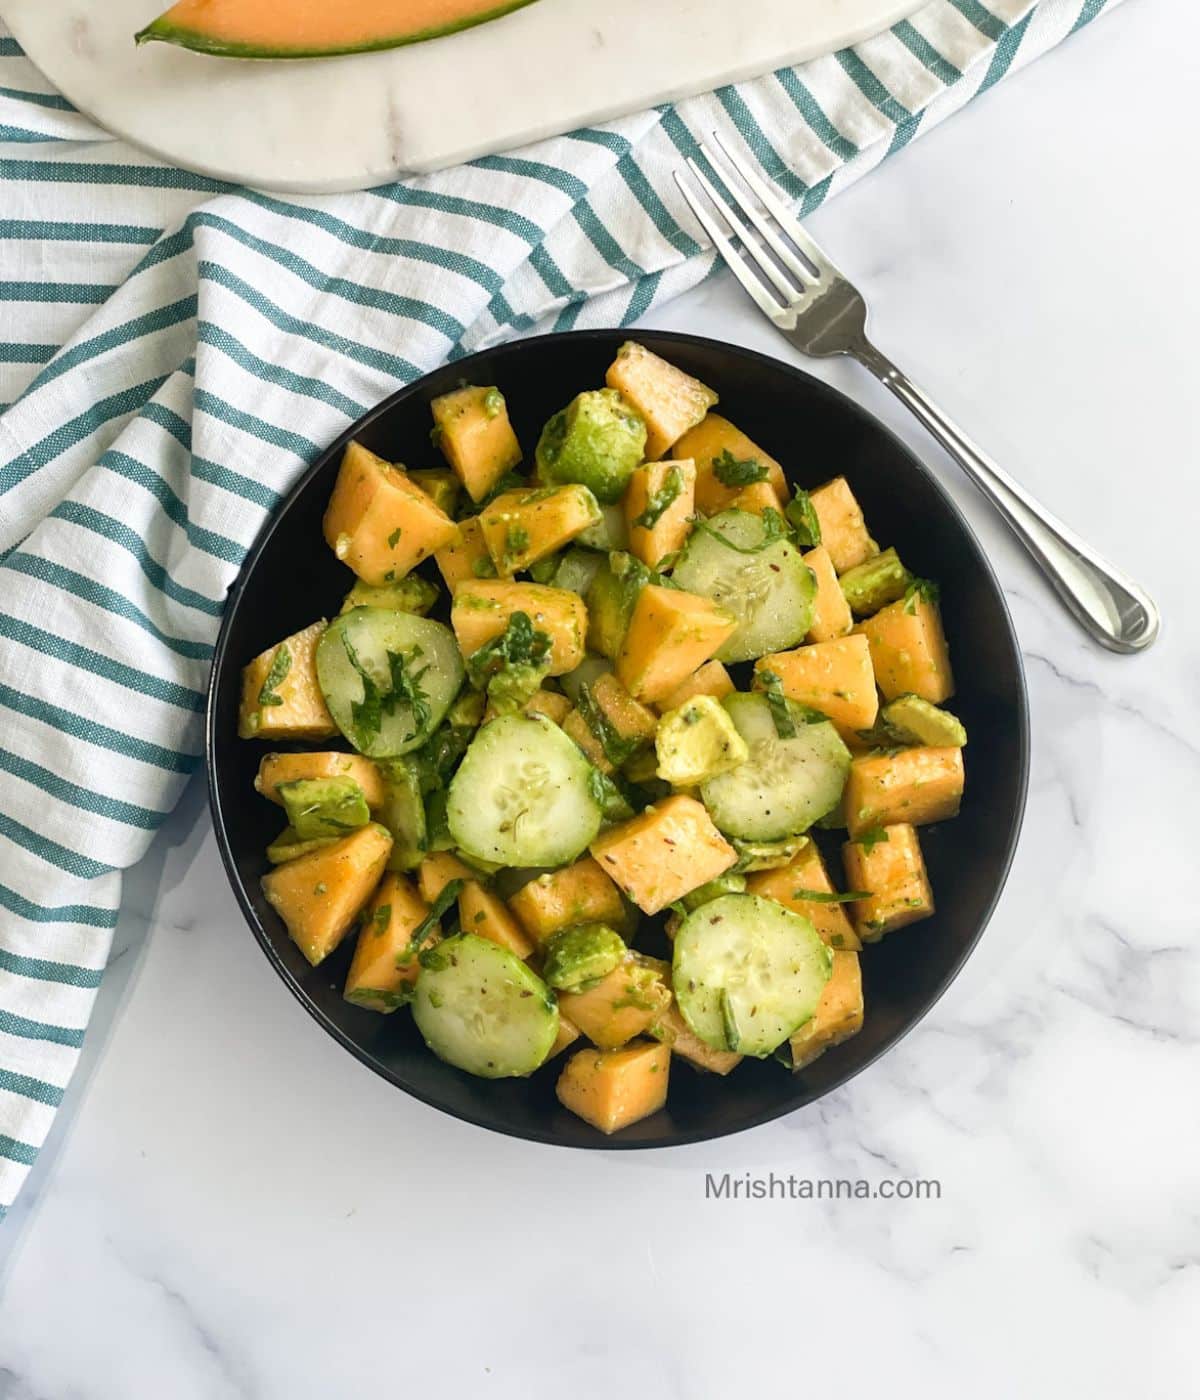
column 823, row 314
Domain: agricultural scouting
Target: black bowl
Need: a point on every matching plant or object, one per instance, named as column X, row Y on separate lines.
column 290, row 578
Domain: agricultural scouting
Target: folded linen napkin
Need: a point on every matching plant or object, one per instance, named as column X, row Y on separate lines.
column 174, row 351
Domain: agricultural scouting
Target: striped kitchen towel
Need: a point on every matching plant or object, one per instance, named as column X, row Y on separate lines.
column 174, row 351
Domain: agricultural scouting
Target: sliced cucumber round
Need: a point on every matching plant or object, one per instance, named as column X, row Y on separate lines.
column 768, row 587
column 748, row 973
column 388, row 678
column 786, row 784
column 523, row 795
column 481, row 1009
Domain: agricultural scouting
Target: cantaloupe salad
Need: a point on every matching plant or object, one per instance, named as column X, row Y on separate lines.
column 573, row 759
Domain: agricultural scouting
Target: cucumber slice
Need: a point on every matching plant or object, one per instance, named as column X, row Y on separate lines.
column 786, row 784
column 523, row 795
column 481, row 1009
column 388, row 678
column 748, row 972
column 770, row 590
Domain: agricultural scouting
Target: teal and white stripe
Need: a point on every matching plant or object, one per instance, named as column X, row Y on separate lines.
column 173, row 351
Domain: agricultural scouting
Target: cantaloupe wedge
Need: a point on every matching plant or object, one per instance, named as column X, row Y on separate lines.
column 580, row 894
column 806, row 874
column 621, row 1005
column 659, row 503
column 436, row 871
column 319, row 896
column 612, row 1089
column 277, row 768
column 710, row 441
column 838, row 1016
column 670, row 634
column 285, row 29
column 917, row 786
column 482, row 608
column 892, row 867
column 486, row 914
column 385, row 962
column 281, row 698
column 833, row 677
column 831, row 615
column 664, row 853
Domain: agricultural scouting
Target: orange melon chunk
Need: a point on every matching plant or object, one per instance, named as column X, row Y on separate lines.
column 710, row 440
column 670, row 634
column 580, row 894
column 833, row 677
column 710, row 679
column 436, row 871
column 384, row 962
column 648, row 487
column 610, row 1090
column 664, row 852
column 466, row 557
column 482, row 608
column 319, row 896
column 482, row 912
column 378, row 522
column 623, row 1004
column 908, row 650
column 831, row 617
column 521, row 527
column 917, row 786
column 280, row 695
column 472, row 428
column 669, row 401
column 894, row 872
column 839, row 1013
column 787, row 886
column 843, row 530
column 277, row 768
column 675, row 1033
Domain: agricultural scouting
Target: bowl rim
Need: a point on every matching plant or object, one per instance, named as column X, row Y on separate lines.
column 220, row 660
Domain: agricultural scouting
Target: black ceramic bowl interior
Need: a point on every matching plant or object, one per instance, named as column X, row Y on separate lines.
column 291, row 577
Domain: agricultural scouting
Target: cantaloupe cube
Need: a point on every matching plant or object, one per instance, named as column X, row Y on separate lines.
column 674, row 1032
column 670, row 634
column 609, row 725
column 839, row 1013
column 472, row 429
column 436, row 871
column 550, row 703
column 385, row 962
column 844, row 532
column 579, row 894
column 908, row 650
column 280, row 695
column 319, row 896
column 669, row 400
column 621, row 1005
column 831, row 613
column 712, row 441
column 521, row 527
column 664, row 852
column 660, row 501
column 710, row 679
column 378, row 522
column 755, row 499
column 806, row 874
column 482, row 912
column 568, row 1034
column 481, row 610
column 917, row 786
column 466, row 557
column 833, row 677
column 893, row 869
column 612, row 1089
column 277, row 768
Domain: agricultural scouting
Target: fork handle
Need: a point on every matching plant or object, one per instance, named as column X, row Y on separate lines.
column 1111, row 607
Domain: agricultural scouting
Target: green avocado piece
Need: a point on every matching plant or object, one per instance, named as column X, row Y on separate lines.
column 403, row 811
column 324, row 806
column 914, row 720
column 597, row 440
column 411, row 594
column 767, row 855
column 714, row 889
column 288, row 845
column 610, row 601
column 698, row 741
column 442, row 486
column 585, row 953
column 871, row 586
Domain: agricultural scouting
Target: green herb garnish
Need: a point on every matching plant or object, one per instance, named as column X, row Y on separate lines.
column 394, row 536
column 281, row 664
column 618, row 749
column 368, row 712
column 658, row 502
column 449, row 893
column 483, row 567
column 920, row 590
column 872, row 837
column 772, row 686
column 374, row 996
column 774, row 529
column 382, row 917
column 830, row 897
column 493, row 403
column 730, row 472
column 803, row 519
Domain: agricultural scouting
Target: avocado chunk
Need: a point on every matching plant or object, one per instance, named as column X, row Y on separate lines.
column 583, row 954
column 698, row 741
column 597, row 440
column 441, row 485
column 324, row 806
column 610, row 601
column 403, row 810
column 767, row 855
column 728, row 883
column 871, row 586
column 288, row 845
column 512, row 666
column 914, row 720
column 410, row 594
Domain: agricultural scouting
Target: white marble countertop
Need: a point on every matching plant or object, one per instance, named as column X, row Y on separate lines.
column 231, row 1206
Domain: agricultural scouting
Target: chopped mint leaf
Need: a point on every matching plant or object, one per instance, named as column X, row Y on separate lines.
column 281, row 664
column 660, row 501
column 394, row 536
column 772, row 684
column 617, row 748
column 450, row 892
column 774, row 529
column 920, row 589
column 382, row 917
column 730, row 472
column 830, row 897
column 871, row 838
column 803, row 519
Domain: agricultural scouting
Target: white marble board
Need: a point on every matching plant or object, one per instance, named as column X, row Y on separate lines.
column 349, row 123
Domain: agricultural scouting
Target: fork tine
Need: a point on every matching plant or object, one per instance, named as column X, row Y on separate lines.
column 775, row 206
column 787, row 290
column 799, row 269
column 752, row 284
